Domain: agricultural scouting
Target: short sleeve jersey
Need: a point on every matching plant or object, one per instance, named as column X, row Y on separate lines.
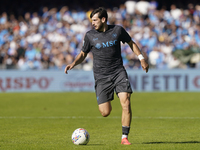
column 106, row 49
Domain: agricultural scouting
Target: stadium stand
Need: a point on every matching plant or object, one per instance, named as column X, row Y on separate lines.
column 51, row 37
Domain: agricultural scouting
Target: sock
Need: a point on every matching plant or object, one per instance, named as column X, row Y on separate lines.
column 124, row 136
column 125, row 131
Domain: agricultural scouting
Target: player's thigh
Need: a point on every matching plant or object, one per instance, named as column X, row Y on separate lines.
column 124, row 98
column 124, row 95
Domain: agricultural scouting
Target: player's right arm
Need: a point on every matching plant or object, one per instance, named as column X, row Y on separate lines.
column 80, row 57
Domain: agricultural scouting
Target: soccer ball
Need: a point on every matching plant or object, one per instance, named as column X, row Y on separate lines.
column 80, row 137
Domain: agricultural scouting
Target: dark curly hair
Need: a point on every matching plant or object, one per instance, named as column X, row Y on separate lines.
column 101, row 13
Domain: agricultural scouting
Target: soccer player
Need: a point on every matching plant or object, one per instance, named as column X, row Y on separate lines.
column 109, row 73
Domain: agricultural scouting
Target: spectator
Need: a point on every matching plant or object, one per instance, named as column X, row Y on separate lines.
column 52, row 38
column 142, row 7
column 130, row 7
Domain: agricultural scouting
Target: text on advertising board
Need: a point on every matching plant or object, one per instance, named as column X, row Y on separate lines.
column 24, row 83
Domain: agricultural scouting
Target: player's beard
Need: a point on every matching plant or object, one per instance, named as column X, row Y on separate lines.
column 100, row 27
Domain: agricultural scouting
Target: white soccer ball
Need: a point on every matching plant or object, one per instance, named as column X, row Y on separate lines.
column 80, row 137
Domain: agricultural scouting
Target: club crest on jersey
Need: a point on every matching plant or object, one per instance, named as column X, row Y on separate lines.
column 98, row 45
column 114, row 35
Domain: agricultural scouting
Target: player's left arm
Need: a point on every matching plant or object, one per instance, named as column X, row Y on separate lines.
column 142, row 56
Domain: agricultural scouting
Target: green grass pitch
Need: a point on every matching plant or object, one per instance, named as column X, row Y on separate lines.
column 45, row 121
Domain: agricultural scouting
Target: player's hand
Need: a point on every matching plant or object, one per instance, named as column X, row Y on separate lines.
column 68, row 67
column 144, row 62
column 145, row 65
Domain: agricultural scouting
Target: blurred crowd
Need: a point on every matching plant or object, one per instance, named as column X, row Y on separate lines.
column 53, row 38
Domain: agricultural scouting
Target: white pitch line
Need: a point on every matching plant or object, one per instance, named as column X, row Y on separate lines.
column 89, row 117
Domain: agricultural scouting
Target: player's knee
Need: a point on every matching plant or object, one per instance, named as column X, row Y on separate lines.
column 105, row 109
column 105, row 113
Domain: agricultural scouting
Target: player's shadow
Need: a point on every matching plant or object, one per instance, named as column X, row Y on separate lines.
column 162, row 142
